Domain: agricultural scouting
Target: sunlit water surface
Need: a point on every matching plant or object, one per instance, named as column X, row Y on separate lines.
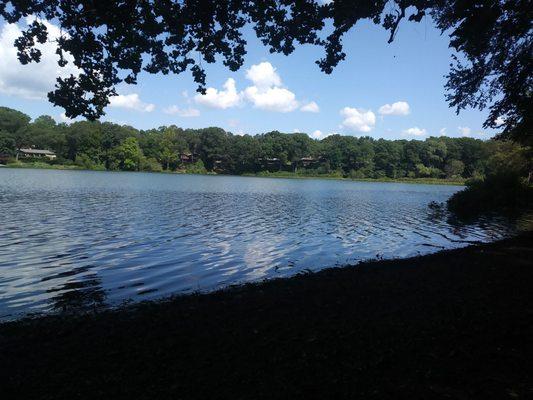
column 73, row 239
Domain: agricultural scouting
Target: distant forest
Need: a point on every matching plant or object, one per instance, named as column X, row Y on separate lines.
column 105, row 145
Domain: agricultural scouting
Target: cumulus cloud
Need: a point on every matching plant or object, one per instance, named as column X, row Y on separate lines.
column 464, row 130
column 416, row 131
column 263, row 75
column 271, row 99
column 222, row 99
column 357, row 119
column 316, row 134
column 182, row 112
column 499, row 121
column 398, row 108
column 310, row 107
column 319, row 135
column 267, row 92
column 130, row 102
column 34, row 80
column 442, row 131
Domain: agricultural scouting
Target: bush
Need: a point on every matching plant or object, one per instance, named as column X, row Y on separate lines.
column 151, row 165
column 504, row 192
column 196, row 168
column 85, row 162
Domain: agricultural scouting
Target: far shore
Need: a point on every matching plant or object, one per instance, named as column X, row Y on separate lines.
column 281, row 175
column 451, row 325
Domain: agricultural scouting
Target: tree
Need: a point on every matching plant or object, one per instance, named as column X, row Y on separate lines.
column 112, row 136
column 7, row 144
column 387, row 158
column 454, row 168
column 213, row 146
column 128, row 155
column 42, row 133
column 112, row 42
column 84, row 137
column 12, row 120
column 95, row 145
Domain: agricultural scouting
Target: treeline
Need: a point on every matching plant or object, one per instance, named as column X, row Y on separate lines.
column 105, row 145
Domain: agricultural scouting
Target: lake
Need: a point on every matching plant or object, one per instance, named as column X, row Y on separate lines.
column 71, row 239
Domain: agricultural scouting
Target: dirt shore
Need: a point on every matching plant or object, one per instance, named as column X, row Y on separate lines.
column 453, row 325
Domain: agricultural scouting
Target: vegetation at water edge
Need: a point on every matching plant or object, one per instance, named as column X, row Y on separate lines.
column 108, row 146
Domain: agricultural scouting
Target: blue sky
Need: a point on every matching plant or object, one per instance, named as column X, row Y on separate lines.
column 381, row 90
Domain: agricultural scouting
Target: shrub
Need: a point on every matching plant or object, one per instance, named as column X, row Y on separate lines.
column 196, row 168
column 504, row 192
column 151, row 165
column 84, row 161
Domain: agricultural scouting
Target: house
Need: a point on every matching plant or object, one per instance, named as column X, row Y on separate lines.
column 4, row 158
column 308, row 162
column 271, row 164
column 36, row 153
column 188, row 158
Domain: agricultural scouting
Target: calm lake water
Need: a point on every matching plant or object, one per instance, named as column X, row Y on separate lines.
column 78, row 238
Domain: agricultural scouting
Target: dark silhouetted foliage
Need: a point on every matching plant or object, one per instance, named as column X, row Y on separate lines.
column 504, row 193
column 112, row 42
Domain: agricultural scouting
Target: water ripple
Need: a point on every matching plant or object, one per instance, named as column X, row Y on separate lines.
column 74, row 239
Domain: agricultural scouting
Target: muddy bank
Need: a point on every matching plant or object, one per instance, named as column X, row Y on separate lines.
column 453, row 325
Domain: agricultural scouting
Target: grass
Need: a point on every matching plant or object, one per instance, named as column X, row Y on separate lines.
column 42, row 165
column 292, row 175
column 451, row 325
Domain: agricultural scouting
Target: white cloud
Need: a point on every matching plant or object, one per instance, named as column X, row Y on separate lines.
column 416, row 131
column 442, row 131
column 499, row 121
column 310, row 107
column 357, row 119
column 266, row 93
column 222, row 99
column 296, row 130
column 271, row 99
column 263, row 75
column 130, row 102
column 316, row 134
column 62, row 117
column 319, row 135
column 34, row 80
column 398, row 108
column 464, row 130
column 182, row 112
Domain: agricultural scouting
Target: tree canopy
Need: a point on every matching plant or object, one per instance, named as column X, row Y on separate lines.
column 112, row 42
column 97, row 145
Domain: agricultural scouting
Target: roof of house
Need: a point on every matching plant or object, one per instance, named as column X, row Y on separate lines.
column 38, row 151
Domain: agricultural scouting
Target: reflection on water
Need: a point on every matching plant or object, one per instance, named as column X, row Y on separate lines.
column 78, row 295
column 78, row 239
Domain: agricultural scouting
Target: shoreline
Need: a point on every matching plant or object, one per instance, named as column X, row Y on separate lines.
column 420, row 181
column 452, row 324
